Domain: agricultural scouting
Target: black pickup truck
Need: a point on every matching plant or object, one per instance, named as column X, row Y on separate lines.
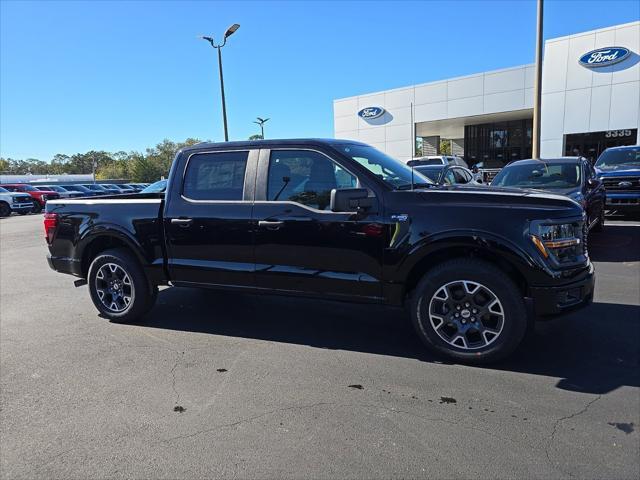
column 339, row 220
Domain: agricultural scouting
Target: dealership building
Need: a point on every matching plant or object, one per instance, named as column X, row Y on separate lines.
column 590, row 101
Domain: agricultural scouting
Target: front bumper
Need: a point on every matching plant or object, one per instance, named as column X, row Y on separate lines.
column 22, row 207
column 551, row 301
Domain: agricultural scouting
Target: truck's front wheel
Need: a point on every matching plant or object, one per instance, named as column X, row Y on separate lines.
column 118, row 286
column 469, row 310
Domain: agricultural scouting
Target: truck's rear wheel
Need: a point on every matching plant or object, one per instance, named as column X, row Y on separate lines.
column 470, row 311
column 37, row 208
column 118, row 286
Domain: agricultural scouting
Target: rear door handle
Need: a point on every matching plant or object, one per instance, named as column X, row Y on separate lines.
column 271, row 225
column 183, row 222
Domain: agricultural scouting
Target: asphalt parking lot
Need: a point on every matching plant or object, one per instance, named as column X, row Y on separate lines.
column 228, row 385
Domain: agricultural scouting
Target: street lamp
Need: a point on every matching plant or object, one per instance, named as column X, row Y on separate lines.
column 261, row 122
column 230, row 31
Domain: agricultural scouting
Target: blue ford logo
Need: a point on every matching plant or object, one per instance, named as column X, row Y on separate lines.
column 370, row 113
column 603, row 57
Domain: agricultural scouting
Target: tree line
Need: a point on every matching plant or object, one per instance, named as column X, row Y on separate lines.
column 134, row 166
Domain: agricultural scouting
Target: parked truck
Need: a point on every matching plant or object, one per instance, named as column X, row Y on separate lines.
column 333, row 219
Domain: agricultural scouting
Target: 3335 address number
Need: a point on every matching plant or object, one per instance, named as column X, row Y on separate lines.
column 617, row 133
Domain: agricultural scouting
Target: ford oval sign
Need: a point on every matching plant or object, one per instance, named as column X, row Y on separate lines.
column 603, row 57
column 370, row 113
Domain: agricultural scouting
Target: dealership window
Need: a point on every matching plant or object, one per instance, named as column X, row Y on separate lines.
column 215, row 176
column 492, row 145
column 305, row 177
column 590, row 145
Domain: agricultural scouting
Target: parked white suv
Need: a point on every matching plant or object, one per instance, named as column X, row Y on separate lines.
column 438, row 160
column 21, row 203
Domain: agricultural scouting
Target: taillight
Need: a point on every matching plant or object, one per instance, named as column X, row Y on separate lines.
column 50, row 224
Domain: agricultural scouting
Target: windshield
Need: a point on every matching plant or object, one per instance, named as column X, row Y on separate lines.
column 93, row 186
column 3, row 190
column 157, row 187
column 431, row 173
column 75, row 188
column 52, row 188
column 619, row 158
column 539, row 175
column 393, row 172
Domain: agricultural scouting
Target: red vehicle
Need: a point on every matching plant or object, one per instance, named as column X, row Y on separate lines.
column 39, row 197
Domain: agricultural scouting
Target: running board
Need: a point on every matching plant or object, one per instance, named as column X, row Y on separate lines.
column 80, row 283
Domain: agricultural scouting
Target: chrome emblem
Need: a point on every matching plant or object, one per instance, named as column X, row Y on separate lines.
column 625, row 184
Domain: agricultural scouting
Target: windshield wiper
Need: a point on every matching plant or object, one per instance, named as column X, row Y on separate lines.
column 408, row 186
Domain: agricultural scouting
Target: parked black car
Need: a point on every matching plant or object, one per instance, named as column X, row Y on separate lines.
column 574, row 177
column 334, row 219
column 447, row 174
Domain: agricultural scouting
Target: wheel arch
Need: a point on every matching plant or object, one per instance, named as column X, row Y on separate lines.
column 95, row 243
column 502, row 255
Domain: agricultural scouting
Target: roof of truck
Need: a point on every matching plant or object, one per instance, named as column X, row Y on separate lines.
column 271, row 143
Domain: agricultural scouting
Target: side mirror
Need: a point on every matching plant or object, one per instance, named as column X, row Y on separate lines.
column 591, row 183
column 350, row 199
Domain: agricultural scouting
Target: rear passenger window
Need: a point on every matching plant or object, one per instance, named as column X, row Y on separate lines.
column 215, row 176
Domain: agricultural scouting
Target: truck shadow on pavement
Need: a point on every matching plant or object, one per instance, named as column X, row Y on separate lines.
column 618, row 243
column 593, row 351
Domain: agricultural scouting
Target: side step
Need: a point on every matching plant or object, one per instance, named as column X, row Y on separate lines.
column 80, row 283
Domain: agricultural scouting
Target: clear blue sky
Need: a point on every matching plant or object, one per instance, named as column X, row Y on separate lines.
column 77, row 76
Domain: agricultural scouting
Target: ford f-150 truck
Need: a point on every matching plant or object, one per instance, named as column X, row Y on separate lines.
column 334, row 219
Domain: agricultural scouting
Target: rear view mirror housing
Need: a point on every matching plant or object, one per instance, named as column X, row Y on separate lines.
column 350, row 199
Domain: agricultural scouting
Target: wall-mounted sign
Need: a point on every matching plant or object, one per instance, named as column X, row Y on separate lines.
column 603, row 57
column 370, row 113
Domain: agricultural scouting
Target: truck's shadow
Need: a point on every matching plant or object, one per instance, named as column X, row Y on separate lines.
column 594, row 350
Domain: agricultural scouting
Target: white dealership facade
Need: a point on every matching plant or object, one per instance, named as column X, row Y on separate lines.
column 487, row 117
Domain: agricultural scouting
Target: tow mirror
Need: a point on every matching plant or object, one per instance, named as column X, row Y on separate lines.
column 350, row 199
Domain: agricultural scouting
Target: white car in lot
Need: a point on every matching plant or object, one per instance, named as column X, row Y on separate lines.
column 438, row 160
column 14, row 202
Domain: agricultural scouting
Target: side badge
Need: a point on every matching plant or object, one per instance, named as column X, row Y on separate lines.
column 399, row 217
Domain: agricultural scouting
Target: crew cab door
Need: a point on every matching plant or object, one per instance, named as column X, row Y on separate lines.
column 207, row 219
column 300, row 244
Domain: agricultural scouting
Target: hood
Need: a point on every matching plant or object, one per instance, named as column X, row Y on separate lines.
column 505, row 197
column 619, row 171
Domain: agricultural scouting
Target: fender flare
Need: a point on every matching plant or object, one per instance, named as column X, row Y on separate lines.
column 108, row 230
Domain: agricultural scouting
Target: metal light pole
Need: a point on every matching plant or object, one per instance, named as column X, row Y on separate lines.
column 537, row 86
column 261, row 122
column 227, row 34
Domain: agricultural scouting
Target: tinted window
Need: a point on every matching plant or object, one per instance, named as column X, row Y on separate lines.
column 430, row 173
column 305, row 177
column 449, row 178
column 215, row 176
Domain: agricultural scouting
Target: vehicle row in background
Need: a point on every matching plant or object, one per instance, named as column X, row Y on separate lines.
column 20, row 203
column 448, row 174
column 38, row 197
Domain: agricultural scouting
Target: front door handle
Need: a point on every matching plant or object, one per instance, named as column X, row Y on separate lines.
column 271, row 225
column 183, row 222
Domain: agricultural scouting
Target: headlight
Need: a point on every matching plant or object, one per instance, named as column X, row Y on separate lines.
column 561, row 243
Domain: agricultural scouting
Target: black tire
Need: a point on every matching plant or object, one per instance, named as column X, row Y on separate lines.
column 512, row 323
column 5, row 209
column 37, row 208
column 599, row 227
column 142, row 295
column 23, row 212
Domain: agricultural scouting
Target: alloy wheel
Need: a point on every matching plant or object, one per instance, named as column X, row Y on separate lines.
column 114, row 287
column 466, row 314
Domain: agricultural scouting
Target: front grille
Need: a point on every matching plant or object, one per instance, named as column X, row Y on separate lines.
column 585, row 236
column 22, row 200
column 622, row 183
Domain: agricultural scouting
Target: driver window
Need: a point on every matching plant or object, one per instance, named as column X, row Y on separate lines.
column 305, row 177
column 459, row 176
